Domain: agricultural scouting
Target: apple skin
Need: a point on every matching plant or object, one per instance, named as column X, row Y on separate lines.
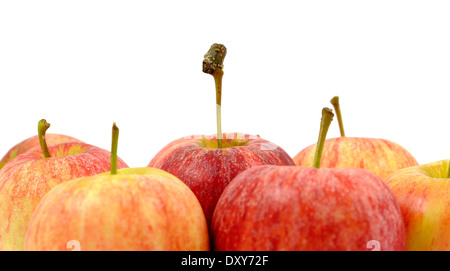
column 423, row 194
column 295, row 208
column 380, row 156
column 28, row 177
column 32, row 143
column 208, row 170
column 137, row 209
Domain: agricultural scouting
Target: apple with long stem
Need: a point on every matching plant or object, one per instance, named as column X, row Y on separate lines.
column 32, row 143
column 26, row 179
column 307, row 208
column 126, row 209
column 380, row 156
column 206, row 164
column 423, row 194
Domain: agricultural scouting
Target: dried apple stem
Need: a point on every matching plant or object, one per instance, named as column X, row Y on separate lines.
column 327, row 117
column 114, row 143
column 337, row 109
column 213, row 64
column 42, row 128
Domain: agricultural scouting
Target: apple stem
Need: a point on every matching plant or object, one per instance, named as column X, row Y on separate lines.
column 337, row 109
column 218, row 81
column 327, row 117
column 213, row 64
column 42, row 128
column 115, row 141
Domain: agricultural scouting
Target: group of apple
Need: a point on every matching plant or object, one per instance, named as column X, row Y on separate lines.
column 233, row 192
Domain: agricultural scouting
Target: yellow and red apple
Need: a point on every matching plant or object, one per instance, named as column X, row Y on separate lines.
column 26, row 179
column 32, row 143
column 128, row 209
column 380, row 156
column 423, row 193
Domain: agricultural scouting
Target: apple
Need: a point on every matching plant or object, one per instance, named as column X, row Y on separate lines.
column 33, row 143
column 380, row 156
column 307, row 208
column 207, row 169
column 128, row 209
column 28, row 177
column 423, row 194
column 206, row 164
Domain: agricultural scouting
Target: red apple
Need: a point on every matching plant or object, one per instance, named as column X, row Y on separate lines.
column 298, row 208
column 208, row 163
column 32, row 143
column 127, row 209
column 380, row 156
column 28, row 177
column 207, row 169
column 423, row 193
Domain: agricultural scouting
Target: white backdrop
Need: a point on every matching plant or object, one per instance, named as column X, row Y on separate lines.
column 82, row 65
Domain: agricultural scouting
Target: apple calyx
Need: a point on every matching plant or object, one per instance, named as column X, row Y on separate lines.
column 226, row 143
column 213, row 64
column 337, row 109
column 327, row 117
column 43, row 125
column 114, row 143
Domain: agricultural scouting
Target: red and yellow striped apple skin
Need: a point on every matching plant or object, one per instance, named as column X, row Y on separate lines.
column 423, row 193
column 136, row 209
column 207, row 171
column 295, row 208
column 380, row 156
column 32, row 143
column 28, row 177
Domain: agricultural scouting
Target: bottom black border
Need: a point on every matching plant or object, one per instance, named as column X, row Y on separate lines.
column 270, row 260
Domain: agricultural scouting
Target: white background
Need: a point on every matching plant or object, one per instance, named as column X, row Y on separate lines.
column 82, row 65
